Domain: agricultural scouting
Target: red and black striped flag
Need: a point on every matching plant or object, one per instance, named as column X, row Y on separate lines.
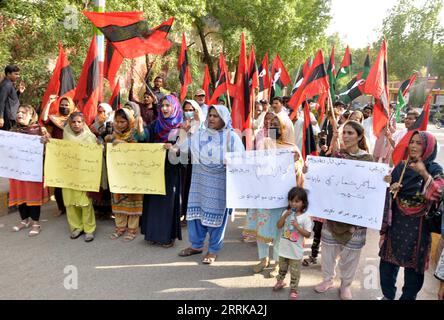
column 264, row 79
column 401, row 149
column 165, row 26
column 87, row 91
column 240, row 112
column 332, row 73
column 113, row 60
column 305, row 70
column 130, row 34
column 223, row 85
column 402, row 93
column 279, row 77
column 184, row 69
column 114, row 101
column 376, row 85
column 61, row 82
column 206, row 84
column 345, row 65
column 315, row 83
column 252, row 81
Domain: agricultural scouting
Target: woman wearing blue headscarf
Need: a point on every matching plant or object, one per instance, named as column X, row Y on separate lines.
column 161, row 214
column 207, row 211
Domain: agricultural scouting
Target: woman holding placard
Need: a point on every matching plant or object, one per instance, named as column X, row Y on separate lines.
column 341, row 239
column 417, row 184
column 79, row 207
column 207, row 212
column 161, row 213
column 28, row 196
column 127, row 208
column 262, row 223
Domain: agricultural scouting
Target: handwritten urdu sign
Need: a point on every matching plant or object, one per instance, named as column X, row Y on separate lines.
column 21, row 156
column 73, row 165
column 260, row 179
column 136, row 168
column 347, row 191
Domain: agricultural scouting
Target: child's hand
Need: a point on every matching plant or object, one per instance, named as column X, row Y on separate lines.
column 295, row 224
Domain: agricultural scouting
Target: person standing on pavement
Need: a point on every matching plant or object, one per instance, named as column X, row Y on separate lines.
column 405, row 237
column 9, row 97
column 294, row 225
column 55, row 124
column 207, row 211
column 127, row 208
column 279, row 110
column 341, row 239
column 28, row 196
column 79, row 206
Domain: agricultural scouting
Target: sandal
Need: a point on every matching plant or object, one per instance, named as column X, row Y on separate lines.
column 115, row 235
column 129, row 237
column 35, row 230
column 21, row 225
column 209, row 258
column 309, row 261
column 189, row 252
column 168, row 245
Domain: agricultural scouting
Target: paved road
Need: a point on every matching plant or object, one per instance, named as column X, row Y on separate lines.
column 33, row 268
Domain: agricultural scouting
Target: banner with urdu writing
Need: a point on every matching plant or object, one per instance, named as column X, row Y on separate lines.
column 21, row 156
column 136, row 168
column 73, row 165
column 260, row 179
column 347, row 191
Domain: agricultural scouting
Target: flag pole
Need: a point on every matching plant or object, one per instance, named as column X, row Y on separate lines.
column 99, row 6
column 149, row 89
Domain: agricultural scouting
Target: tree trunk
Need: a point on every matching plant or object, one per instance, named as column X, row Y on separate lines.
column 207, row 57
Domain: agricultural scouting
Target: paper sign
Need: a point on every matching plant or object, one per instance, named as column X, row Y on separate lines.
column 347, row 191
column 21, row 156
column 73, row 165
column 136, row 168
column 260, row 179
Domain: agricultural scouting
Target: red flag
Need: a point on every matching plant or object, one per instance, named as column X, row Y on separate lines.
column 376, row 85
column 303, row 74
column 345, row 64
column 114, row 101
column 184, row 69
column 279, row 75
column 401, row 150
column 240, row 112
column 314, row 83
column 62, row 80
column 87, row 91
column 165, row 26
column 252, row 70
column 264, row 76
column 223, row 85
column 113, row 60
column 129, row 33
column 206, row 84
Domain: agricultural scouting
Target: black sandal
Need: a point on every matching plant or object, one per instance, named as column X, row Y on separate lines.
column 309, row 261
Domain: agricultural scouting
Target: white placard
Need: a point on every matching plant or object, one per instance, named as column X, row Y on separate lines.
column 21, row 156
column 347, row 191
column 260, row 179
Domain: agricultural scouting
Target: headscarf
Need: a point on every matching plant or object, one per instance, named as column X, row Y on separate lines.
column 86, row 136
column 412, row 182
column 108, row 111
column 32, row 128
column 195, row 125
column 58, row 119
column 163, row 126
column 128, row 134
column 224, row 114
column 134, row 106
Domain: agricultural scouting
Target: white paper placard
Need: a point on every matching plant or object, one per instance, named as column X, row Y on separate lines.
column 21, row 156
column 347, row 191
column 260, row 179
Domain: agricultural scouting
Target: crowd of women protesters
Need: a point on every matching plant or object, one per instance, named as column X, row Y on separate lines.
column 196, row 189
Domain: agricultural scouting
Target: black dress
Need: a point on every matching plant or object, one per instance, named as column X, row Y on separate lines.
column 160, row 221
